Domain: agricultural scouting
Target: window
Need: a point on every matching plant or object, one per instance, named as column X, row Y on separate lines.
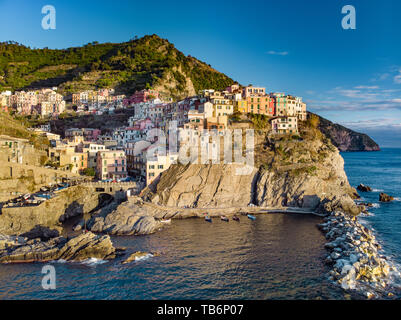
column 160, row 166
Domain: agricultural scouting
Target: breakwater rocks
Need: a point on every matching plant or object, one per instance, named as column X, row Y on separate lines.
column 15, row 249
column 355, row 257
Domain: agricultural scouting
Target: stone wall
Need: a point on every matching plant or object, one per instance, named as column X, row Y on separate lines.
column 51, row 213
column 20, row 178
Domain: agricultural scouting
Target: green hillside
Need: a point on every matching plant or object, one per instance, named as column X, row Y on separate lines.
column 141, row 63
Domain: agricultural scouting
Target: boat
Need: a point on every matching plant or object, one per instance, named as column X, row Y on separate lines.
column 207, row 218
column 236, row 218
column 165, row 221
column 224, row 218
column 251, row 217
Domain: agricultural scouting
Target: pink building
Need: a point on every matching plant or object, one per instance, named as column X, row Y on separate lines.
column 143, row 96
column 111, row 164
column 89, row 134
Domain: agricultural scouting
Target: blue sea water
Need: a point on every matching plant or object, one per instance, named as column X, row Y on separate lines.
column 275, row 257
column 382, row 172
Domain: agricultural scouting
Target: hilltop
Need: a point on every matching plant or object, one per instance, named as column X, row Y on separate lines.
column 141, row 63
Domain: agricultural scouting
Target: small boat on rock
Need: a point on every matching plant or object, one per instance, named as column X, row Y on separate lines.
column 167, row 221
column 251, row 217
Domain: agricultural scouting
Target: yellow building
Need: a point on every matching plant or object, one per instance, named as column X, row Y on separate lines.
column 77, row 161
column 241, row 106
column 158, row 164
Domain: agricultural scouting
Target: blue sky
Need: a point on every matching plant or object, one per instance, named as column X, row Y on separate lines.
column 352, row 77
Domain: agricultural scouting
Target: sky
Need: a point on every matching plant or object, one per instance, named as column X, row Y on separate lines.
column 352, row 77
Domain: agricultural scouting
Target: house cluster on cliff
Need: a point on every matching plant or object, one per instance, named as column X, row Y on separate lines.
column 133, row 150
column 210, row 110
column 49, row 103
column 44, row 102
column 97, row 101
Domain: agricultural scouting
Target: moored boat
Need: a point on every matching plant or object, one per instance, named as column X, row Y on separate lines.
column 236, row 218
column 224, row 218
column 207, row 218
column 165, row 221
column 251, row 217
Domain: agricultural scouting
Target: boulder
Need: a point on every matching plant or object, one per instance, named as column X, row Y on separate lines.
column 79, row 226
column 136, row 256
column 79, row 248
column 364, row 188
column 385, row 197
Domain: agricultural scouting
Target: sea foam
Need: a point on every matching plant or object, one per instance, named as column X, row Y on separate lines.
column 93, row 261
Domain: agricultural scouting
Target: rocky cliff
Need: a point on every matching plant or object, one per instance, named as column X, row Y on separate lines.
column 346, row 139
column 298, row 171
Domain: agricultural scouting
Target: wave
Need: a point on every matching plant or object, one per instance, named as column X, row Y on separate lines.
column 377, row 190
column 59, row 261
column 145, row 257
column 93, row 261
column 375, row 205
column 397, row 199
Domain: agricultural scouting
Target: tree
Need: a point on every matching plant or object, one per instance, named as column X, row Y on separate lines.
column 90, row 172
column 313, row 121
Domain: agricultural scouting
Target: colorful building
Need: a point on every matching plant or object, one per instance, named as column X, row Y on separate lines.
column 253, row 91
column 284, row 125
column 111, row 164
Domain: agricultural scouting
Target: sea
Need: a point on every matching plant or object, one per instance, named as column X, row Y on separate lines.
column 277, row 256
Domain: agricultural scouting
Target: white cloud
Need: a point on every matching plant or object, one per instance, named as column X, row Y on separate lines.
column 367, row 87
column 397, row 78
column 358, row 98
column 278, row 53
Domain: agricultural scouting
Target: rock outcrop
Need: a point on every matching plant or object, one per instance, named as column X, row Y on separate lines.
column 137, row 256
column 80, row 248
column 127, row 218
column 288, row 172
column 68, row 203
column 385, row 197
column 364, row 188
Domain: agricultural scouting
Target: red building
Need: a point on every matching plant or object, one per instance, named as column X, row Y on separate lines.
column 143, row 96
